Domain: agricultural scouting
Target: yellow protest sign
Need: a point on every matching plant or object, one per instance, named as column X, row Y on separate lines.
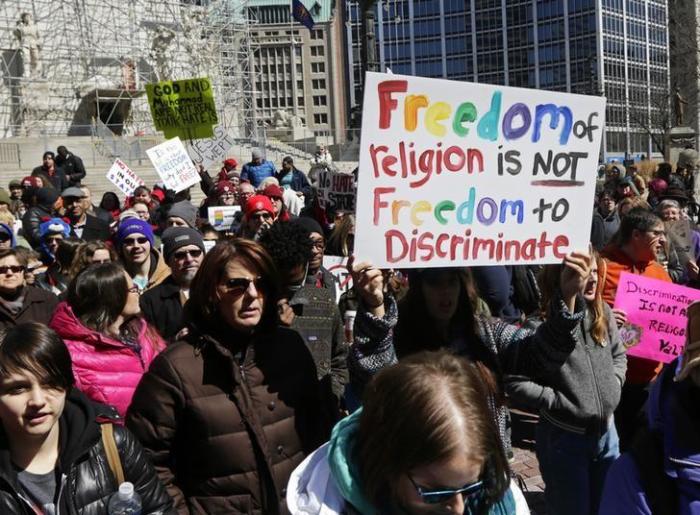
column 183, row 108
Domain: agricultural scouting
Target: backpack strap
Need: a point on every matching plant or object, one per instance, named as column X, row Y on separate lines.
column 110, row 446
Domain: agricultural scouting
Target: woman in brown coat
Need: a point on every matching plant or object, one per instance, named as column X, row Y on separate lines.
column 229, row 412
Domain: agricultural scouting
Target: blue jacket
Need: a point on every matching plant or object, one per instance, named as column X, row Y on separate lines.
column 255, row 174
column 673, row 411
column 299, row 181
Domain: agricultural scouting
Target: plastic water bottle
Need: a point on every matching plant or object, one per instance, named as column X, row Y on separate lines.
column 125, row 502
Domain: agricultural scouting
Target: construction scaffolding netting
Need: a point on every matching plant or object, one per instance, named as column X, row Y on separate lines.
column 70, row 64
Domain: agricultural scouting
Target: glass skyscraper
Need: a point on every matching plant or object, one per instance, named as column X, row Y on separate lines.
column 618, row 48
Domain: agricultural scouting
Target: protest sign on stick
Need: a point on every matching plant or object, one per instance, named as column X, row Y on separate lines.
column 211, row 150
column 656, row 314
column 123, row 177
column 338, row 267
column 173, row 165
column 183, row 108
column 336, row 190
column 457, row 174
column 221, row 217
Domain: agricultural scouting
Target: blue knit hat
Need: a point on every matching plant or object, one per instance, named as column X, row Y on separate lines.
column 54, row 226
column 135, row 226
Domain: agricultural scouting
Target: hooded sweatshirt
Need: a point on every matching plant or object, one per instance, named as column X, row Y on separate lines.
column 327, row 482
column 106, row 370
column 673, row 412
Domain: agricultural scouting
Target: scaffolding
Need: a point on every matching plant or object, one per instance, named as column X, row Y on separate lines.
column 72, row 62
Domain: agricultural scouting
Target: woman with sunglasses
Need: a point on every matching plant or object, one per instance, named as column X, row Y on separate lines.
column 110, row 343
column 229, row 411
column 424, row 442
column 20, row 302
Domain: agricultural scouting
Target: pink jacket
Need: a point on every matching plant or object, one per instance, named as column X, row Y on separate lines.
column 105, row 369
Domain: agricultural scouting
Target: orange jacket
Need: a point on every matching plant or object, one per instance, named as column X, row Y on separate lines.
column 639, row 370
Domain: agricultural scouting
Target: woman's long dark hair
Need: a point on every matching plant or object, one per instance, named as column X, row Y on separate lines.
column 415, row 414
column 416, row 332
column 98, row 295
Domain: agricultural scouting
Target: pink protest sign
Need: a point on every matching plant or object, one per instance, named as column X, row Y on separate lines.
column 656, row 314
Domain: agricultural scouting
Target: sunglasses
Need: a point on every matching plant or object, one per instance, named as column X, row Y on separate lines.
column 15, row 269
column 182, row 254
column 133, row 241
column 441, row 496
column 261, row 216
column 240, row 285
column 4, row 237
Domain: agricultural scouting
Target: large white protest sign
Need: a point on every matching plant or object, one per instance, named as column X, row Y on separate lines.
column 456, row 174
column 174, row 165
column 211, row 150
column 123, row 177
column 221, row 217
column 336, row 190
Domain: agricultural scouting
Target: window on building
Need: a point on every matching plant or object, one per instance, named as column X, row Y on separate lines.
column 320, row 100
column 316, row 34
column 318, row 84
column 320, row 118
column 318, row 67
column 300, row 101
column 317, row 51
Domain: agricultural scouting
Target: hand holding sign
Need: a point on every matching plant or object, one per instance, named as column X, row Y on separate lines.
column 574, row 275
column 369, row 284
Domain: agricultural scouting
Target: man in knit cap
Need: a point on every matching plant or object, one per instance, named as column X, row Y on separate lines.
column 46, row 200
column 84, row 227
column 136, row 248
column 258, row 215
column 183, row 248
column 182, row 214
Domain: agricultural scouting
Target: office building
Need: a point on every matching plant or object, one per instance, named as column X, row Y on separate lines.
column 614, row 47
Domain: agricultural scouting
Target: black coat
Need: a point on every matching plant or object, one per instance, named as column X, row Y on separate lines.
column 73, row 167
column 58, row 181
column 38, row 306
column 86, row 479
column 95, row 229
column 162, row 308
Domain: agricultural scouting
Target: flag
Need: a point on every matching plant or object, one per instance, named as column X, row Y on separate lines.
column 302, row 14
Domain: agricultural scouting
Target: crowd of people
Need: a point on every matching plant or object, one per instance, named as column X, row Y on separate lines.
column 228, row 374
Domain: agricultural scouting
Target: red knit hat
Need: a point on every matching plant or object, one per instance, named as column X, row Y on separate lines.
column 259, row 203
column 273, row 191
column 230, row 163
column 224, row 187
column 30, row 182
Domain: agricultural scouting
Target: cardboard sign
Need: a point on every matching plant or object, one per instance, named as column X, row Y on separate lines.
column 459, row 174
column 124, row 178
column 183, row 108
column 173, row 165
column 337, row 265
column 336, row 190
column 212, row 150
column 221, row 217
column 656, row 311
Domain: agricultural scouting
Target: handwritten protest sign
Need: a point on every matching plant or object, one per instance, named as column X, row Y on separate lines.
column 211, row 150
column 338, row 266
column 174, row 166
column 455, row 174
column 656, row 311
column 183, row 108
column 123, row 177
column 336, row 190
column 221, row 217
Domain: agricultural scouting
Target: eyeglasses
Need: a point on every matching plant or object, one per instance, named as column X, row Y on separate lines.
column 4, row 237
column 182, row 254
column 133, row 289
column 133, row 241
column 239, row 285
column 15, row 269
column 441, row 496
column 261, row 216
column 318, row 244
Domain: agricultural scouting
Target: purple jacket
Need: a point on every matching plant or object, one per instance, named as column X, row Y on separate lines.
column 672, row 409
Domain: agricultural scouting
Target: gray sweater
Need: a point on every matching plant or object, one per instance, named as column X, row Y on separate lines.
column 519, row 350
column 577, row 392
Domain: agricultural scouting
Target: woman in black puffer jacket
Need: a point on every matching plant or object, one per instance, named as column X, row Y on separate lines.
column 52, row 459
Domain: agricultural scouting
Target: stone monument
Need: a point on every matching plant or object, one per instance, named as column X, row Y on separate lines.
column 27, row 34
column 678, row 137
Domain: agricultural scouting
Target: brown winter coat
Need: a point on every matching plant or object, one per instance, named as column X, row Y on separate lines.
column 226, row 428
column 38, row 306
